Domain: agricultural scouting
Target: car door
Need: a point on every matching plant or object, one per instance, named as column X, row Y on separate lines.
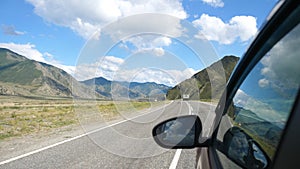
column 260, row 106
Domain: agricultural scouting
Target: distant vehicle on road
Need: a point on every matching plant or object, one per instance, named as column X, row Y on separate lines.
column 185, row 97
column 256, row 122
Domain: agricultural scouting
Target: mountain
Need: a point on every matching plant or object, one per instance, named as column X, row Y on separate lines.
column 199, row 86
column 133, row 90
column 268, row 131
column 24, row 77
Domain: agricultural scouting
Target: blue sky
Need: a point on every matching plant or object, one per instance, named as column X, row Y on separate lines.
column 60, row 32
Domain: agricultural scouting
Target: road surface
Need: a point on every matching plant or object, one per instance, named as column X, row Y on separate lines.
column 124, row 144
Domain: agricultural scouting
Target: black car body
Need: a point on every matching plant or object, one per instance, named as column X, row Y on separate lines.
column 256, row 121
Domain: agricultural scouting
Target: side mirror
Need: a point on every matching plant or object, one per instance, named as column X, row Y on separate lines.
column 243, row 150
column 178, row 132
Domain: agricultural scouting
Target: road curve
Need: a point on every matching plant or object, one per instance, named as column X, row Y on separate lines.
column 124, row 144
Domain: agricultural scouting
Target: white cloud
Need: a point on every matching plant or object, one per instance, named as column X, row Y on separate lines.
column 241, row 98
column 106, row 67
column 281, row 66
column 214, row 3
column 162, row 41
column 160, row 76
column 84, row 29
column 145, row 43
column 10, row 30
column 263, row 82
column 87, row 71
column 111, row 68
column 214, row 28
column 49, row 55
column 145, row 25
column 68, row 69
column 159, row 51
column 90, row 16
column 110, row 63
column 148, row 41
column 261, row 109
column 179, row 76
column 29, row 51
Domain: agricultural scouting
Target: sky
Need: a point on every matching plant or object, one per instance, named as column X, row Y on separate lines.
column 146, row 40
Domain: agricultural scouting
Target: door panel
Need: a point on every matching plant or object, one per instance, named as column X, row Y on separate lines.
column 257, row 116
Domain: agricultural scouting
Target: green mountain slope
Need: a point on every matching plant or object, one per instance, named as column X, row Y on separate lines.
column 24, row 77
column 207, row 84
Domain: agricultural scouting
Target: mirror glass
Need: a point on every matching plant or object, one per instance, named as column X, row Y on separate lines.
column 178, row 132
column 243, row 150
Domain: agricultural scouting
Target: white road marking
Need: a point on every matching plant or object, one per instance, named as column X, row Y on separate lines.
column 178, row 151
column 209, row 104
column 71, row 139
column 190, row 108
column 175, row 159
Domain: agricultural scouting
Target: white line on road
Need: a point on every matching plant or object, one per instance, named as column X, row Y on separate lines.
column 56, row 144
column 178, row 151
column 190, row 108
column 209, row 104
column 71, row 139
column 175, row 159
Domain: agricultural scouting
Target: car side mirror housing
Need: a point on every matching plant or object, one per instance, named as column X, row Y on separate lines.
column 178, row 132
column 243, row 150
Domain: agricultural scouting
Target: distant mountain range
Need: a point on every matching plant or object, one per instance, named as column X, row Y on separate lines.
column 132, row 90
column 199, row 86
column 24, row 77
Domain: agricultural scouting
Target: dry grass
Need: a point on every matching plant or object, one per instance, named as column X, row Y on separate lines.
column 21, row 116
column 22, row 120
column 113, row 110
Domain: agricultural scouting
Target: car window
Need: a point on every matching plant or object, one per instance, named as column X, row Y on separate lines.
column 250, row 131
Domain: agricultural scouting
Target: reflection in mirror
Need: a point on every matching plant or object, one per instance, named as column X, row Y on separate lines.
column 179, row 132
column 243, row 150
column 262, row 105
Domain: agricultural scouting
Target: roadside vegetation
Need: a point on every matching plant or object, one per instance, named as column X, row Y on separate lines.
column 23, row 116
column 112, row 110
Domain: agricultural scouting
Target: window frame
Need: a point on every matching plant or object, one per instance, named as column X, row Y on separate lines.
column 281, row 23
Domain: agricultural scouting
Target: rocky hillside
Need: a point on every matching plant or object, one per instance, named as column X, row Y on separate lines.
column 207, row 84
column 24, row 77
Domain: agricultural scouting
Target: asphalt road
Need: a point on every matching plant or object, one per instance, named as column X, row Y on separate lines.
column 124, row 144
